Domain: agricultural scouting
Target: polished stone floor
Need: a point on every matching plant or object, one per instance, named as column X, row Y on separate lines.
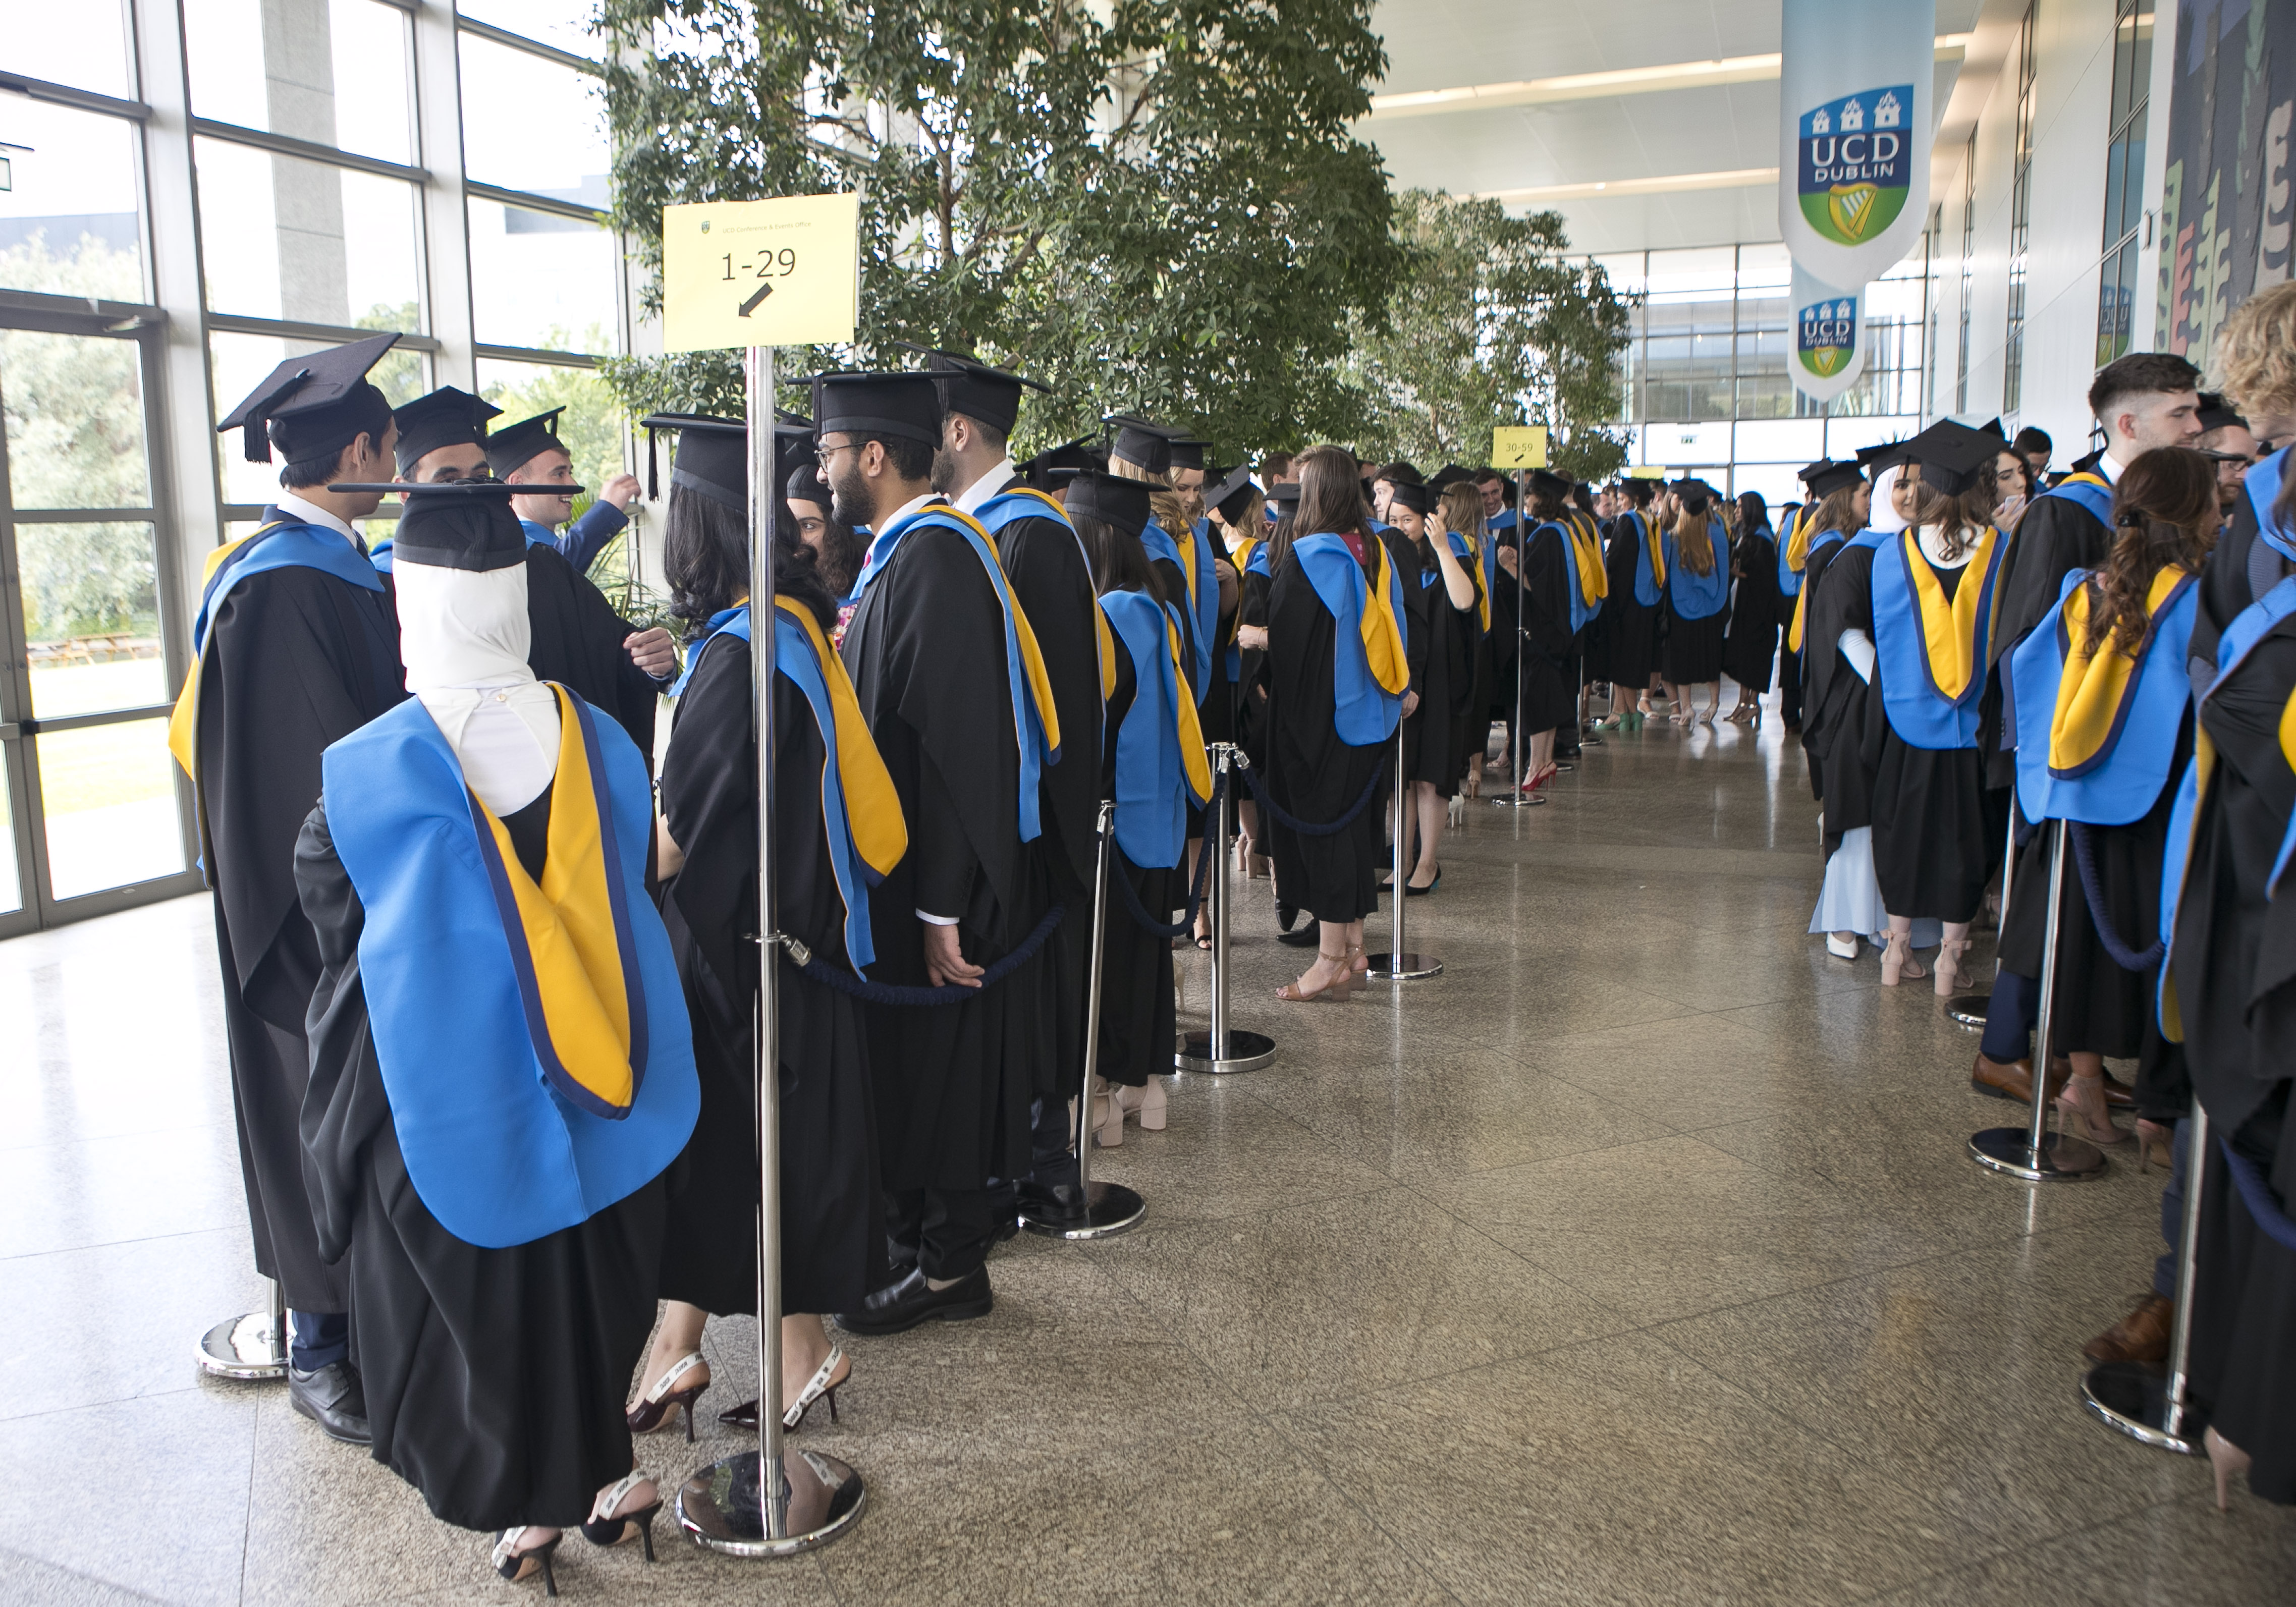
column 1634, row 1259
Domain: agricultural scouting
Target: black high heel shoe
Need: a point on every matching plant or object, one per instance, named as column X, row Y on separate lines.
column 654, row 1409
column 620, row 1528
column 511, row 1565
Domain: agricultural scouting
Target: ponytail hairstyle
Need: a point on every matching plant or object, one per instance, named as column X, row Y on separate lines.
column 2164, row 516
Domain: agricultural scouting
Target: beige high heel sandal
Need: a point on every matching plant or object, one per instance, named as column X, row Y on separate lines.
column 1951, row 975
column 1897, row 960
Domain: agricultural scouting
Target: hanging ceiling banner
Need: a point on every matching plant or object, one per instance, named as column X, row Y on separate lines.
column 1855, row 87
column 1828, row 338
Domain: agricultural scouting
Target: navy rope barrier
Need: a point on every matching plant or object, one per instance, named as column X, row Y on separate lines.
column 1292, row 822
column 1180, row 928
column 2255, row 1194
column 891, row 993
column 2124, row 956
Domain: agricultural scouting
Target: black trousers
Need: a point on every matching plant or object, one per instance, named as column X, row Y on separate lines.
column 1789, row 685
column 946, row 1231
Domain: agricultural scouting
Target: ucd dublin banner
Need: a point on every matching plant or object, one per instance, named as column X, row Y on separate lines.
column 1853, row 172
column 1828, row 337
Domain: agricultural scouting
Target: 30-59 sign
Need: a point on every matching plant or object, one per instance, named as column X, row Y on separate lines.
column 761, row 273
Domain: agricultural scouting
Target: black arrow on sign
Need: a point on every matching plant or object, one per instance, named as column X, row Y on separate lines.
column 751, row 306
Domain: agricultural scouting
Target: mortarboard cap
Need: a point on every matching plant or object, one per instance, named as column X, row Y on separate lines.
column 974, row 388
column 1400, row 472
column 454, row 524
column 1232, row 495
column 1119, row 503
column 446, row 417
column 514, row 446
column 1446, row 477
column 1546, row 482
column 1951, row 455
column 1068, row 455
column 1141, row 443
column 1411, row 495
column 1824, row 477
column 316, row 405
column 905, row 405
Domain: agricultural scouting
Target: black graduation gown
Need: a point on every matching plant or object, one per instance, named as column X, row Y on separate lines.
column 1054, row 587
column 1690, row 651
column 2240, row 570
column 1501, row 644
column 1138, row 1019
column 1216, row 714
column 1252, row 679
column 833, row 1211
column 1311, row 773
column 295, row 660
column 1436, row 738
column 1931, row 830
column 925, row 648
column 1752, row 643
column 1837, row 704
column 2235, row 977
column 494, row 1379
column 1549, row 700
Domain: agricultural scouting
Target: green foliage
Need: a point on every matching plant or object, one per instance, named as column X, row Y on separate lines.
column 590, row 429
column 1152, row 205
column 1491, row 325
column 400, row 374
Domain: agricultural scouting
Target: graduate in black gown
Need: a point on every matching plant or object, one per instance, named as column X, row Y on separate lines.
column 295, row 646
column 952, row 686
column 578, row 641
column 1458, row 514
column 1238, row 510
column 1152, row 763
column 1251, row 675
column 2230, row 993
column 1634, row 562
column 1588, row 598
column 1696, row 612
column 1752, row 644
column 833, row 1221
column 501, row 1064
column 1540, row 545
column 1447, row 610
column 1053, row 584
column 1502, row 527
column 1933, row 852
column 1333, row 703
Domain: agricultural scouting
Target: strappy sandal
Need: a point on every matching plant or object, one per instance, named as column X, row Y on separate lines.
column 667, row 1396
column 512, row 1563
column 608, row 1526
column 1334, row 990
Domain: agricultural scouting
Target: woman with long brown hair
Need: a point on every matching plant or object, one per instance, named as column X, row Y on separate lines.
column 1697, row 610
column 1337, row 684
column 2113, row 649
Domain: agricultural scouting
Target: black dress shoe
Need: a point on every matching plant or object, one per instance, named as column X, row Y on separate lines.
column 1057, row 1204
column 913, row 1301
column 1307, row 937
column 333, row 1398
column 1287, row 915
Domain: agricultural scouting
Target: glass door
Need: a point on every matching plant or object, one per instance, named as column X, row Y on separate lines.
column 94, row 816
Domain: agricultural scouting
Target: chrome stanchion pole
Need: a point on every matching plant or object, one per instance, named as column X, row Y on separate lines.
column 1968, row 1009
column 1517, row 739
column 1103, row 1208
column 250, row 1347
column 760, row 1503
column 1400, row 965
column 2033, row 1151
column 2131, row 1395
column 1223, row 1051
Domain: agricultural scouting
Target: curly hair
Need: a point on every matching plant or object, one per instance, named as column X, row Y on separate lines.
column 2164, row 515
column 2256, row 352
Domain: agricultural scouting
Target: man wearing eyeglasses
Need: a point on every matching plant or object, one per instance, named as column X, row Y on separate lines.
column 2226, row 438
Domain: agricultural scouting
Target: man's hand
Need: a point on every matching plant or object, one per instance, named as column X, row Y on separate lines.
column 651, row 650
column 1507, row 559
column 945, row 962
column 621, row 490
column 1252, row 637
column 1410, row 704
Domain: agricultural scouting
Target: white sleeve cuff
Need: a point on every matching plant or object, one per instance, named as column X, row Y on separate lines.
column 1857, row 647
column 936, row 920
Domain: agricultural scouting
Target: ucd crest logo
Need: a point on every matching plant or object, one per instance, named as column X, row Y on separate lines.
column 1825, row 336
column 1856, row 164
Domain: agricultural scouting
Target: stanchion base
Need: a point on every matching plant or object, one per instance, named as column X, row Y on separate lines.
column 242, row 1346
column 1402, row 968
column 1110, row 1208
column 2134, row 1399
column 1968, row 1009
column 1246, row 1051
column 2061, row 1159
column 718, row 1506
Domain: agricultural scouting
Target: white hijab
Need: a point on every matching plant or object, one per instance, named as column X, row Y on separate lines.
column 464, row 637
column 1882, row 517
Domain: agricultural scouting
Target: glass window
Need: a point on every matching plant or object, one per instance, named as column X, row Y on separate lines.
column 332, row 71
column 108, row 794
column 75, row 419
column 285, row 238
column 542, row 280
column 88, row 50
column 91, row 617
column 238, row 364
column 12, row 898
column 592, row 425
column 71, row 223
column 532, row 124
column 1765, row 267
column 565, row 23
column 1703, row 268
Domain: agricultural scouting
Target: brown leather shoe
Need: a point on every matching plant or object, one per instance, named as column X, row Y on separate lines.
column 2119, row 1097
column 2141, row 1336
column 2014, row 1080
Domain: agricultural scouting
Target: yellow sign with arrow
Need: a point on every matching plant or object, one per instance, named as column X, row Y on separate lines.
column 785, row 272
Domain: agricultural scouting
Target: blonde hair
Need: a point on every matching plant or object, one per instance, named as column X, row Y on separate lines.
column 1171, row 512
column 1462, row 511
column 2256, row 352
